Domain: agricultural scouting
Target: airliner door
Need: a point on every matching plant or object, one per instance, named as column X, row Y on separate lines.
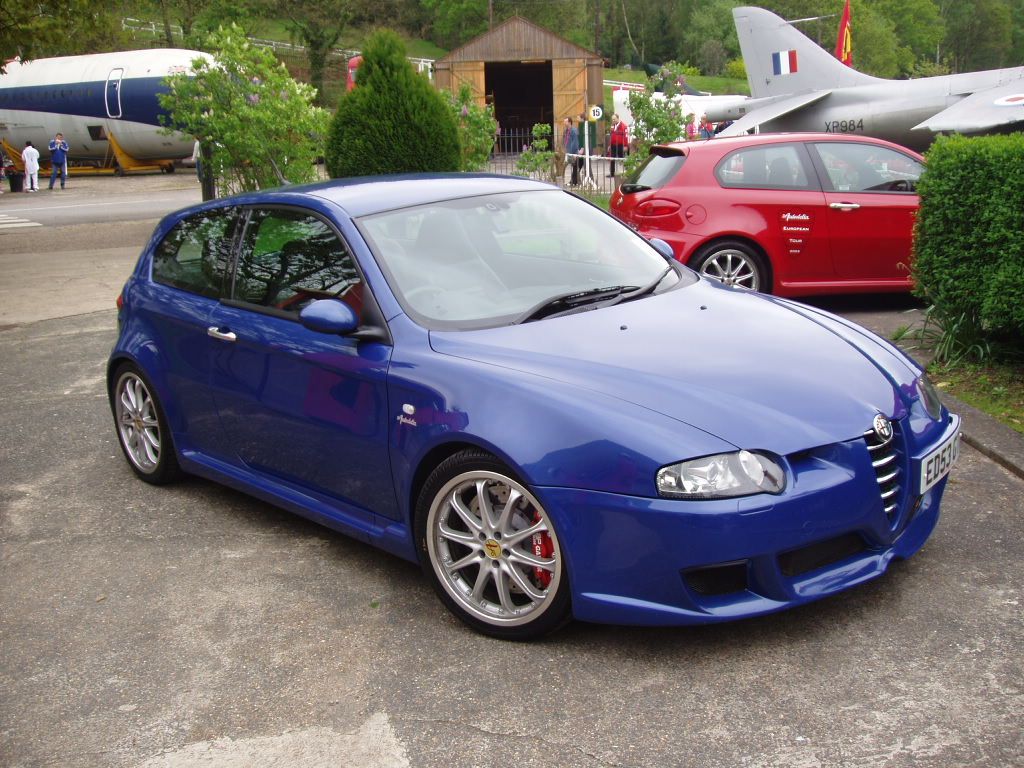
column 113, row 92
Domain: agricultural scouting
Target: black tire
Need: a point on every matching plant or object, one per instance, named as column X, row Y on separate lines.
column 503, row 590
column 735, row 263
column 141, row 427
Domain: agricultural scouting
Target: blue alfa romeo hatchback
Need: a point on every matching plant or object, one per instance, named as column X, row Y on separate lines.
column 499, row 381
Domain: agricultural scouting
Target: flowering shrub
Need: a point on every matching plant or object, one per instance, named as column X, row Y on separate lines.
column 539, row 159
column 477, row 128
column 258, row 125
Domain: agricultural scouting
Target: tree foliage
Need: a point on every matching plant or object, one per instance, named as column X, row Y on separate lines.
column 890, row 37
column 317, row 25
column 539, row 160
column 258, row 124
column 658, row 120
column 32, row 30
column 394, row 121
column 456, row 21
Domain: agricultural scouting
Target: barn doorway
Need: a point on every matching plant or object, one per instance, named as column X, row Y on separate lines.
column 521, row 93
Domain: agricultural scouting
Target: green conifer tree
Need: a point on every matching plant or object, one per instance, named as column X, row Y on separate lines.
column 394, row 121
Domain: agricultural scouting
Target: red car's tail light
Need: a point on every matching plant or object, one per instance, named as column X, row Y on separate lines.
column 657, row 207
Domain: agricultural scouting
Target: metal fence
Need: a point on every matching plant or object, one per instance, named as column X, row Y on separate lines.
column 597, row 174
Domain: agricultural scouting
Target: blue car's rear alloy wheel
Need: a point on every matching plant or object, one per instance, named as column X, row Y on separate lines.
column 142, row 428
column 491, row 550
column 732, row 263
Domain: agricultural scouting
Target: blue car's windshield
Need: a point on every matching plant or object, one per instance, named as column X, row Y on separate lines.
column 493, row 259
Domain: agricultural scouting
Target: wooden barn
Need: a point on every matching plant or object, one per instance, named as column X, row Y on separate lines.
column 529, row 74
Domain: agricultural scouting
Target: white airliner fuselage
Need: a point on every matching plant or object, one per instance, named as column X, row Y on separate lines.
column 91, row 98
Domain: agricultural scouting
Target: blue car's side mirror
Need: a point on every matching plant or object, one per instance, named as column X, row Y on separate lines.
column 663, row 248
column 329, row 316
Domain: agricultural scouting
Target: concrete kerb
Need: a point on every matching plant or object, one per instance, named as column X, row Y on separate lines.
column 998, row 442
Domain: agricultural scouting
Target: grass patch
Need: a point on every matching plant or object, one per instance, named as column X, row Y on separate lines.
column 726, row 86
column 598, row 199
column 715, row 85
column 996, row 389
column 993, row 386
column 625, row 75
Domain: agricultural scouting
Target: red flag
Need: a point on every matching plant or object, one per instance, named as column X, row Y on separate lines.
column 844, row 41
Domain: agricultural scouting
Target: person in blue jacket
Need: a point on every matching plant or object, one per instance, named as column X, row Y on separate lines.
column 571, row 148
column 58, row 160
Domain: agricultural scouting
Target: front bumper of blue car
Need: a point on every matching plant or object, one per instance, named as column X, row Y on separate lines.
column 841, row 521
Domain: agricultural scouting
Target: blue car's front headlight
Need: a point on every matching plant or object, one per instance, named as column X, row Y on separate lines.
column 722, row 476
column 929, row 396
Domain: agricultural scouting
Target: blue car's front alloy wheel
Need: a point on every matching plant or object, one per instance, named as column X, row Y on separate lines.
column 491, row 549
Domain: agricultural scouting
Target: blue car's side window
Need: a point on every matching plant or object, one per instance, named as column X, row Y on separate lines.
column 195, row 255
column 289, row 259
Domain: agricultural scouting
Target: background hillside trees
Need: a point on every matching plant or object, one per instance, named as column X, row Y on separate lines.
column 891, row 38
column 33, row 30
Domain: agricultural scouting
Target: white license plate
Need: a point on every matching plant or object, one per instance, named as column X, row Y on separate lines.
column 936, row 465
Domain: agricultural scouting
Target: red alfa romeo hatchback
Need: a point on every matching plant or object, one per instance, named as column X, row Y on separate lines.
column 791, row 214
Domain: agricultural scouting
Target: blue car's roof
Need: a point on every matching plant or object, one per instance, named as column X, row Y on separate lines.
column 372, row 194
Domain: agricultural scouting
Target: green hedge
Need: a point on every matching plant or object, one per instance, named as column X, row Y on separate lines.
column 969, row 236
column 394, row 121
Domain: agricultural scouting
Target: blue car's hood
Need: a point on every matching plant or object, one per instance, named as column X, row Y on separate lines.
column 754, row 371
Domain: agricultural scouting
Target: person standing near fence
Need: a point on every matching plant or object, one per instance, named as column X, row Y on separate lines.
column 30, row 157
column 58, row 160
column 619, row 141
column 571, row 146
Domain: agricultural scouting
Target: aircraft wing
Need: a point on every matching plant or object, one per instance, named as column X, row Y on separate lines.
column 771, row 111
column 982, row 110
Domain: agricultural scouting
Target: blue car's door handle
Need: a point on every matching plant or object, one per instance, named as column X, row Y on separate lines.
column 217, row 333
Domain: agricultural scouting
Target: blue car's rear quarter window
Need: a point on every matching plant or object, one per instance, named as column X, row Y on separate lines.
column 195, row 254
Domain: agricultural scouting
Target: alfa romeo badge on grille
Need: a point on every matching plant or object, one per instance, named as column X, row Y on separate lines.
column 882, row 427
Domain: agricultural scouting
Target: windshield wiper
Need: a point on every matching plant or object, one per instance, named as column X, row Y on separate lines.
column 646, row 290
column 630, row 187
column 569, row 302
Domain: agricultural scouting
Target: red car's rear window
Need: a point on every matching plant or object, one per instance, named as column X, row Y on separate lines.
column 657, row 170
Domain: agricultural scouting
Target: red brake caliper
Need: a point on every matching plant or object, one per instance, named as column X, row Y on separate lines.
column 542, row 547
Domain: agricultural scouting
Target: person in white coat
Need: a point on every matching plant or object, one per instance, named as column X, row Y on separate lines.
column 30, row 156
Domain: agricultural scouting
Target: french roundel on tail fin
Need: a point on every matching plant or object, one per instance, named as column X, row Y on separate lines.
column 781, row 60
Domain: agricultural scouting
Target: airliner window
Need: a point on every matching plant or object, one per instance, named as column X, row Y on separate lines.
column 854, row 167
column 195, row 254
column 290, row 259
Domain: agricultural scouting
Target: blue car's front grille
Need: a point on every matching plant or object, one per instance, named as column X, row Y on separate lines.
column 885, row 459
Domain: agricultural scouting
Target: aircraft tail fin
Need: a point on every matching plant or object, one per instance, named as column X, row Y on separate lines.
column 781, row 60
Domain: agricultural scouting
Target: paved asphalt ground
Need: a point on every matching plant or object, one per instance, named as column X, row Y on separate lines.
column 194, row 626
